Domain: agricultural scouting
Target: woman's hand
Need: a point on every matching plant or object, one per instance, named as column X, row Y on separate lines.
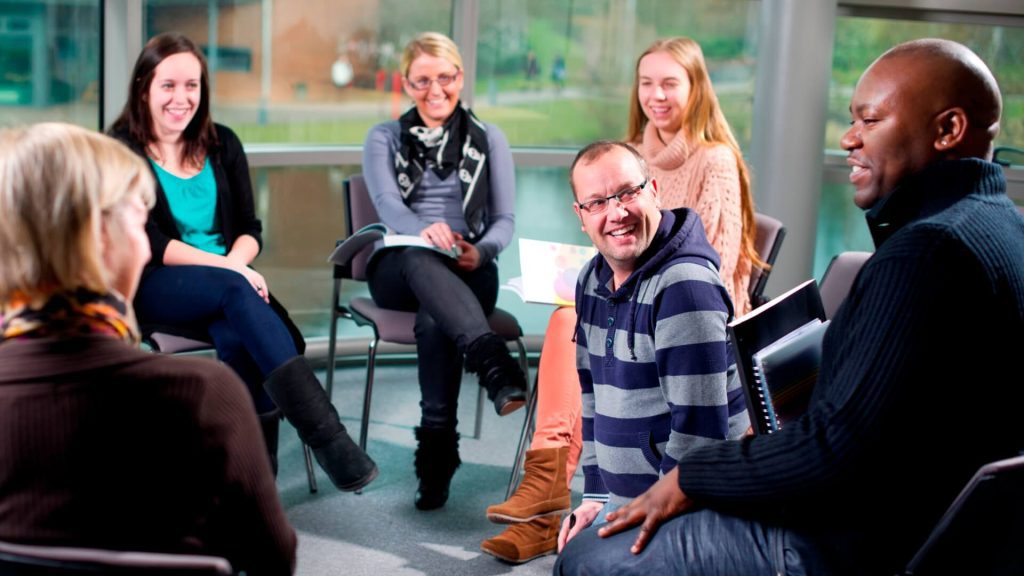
column 580, row 518
column 256, row 280
column 439, row 234
column 662, row 501
column 469, row 256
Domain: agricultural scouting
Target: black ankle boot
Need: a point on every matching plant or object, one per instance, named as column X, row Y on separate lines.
column 437, row 457
column 488, row 357
column 297, row 392
column 270, row 422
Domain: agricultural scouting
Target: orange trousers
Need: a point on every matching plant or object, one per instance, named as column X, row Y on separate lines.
column 559, row 400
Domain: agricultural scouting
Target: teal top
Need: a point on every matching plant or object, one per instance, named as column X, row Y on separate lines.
column 193, row 203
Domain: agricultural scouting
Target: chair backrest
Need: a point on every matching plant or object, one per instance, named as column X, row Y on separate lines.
column 35, row 560
column 359, row 211
column 838, row 279
column 982, row 531
column 767, row 242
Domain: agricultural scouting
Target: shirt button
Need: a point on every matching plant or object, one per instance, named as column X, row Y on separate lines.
column 611, row 320
column 608, row 342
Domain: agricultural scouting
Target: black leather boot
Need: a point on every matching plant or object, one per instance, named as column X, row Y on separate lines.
column 299, row 395
column 488, row 357
column 437, row 457
column 270, row 422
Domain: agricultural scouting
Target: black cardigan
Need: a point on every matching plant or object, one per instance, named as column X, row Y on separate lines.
column 236, row 213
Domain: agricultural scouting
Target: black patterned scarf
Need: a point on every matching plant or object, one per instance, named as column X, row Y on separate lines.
column 67, row 314
column 460, row 144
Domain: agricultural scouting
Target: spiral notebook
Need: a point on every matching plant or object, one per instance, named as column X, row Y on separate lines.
column 758, row 329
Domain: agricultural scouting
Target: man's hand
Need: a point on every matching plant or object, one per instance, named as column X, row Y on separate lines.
column 580, row 518
column 659, row 503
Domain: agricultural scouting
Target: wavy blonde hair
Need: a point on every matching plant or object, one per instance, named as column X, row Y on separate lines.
column 58, row 184
column 703, row 121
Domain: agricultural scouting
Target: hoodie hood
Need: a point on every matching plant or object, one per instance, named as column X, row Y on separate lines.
column 680, row 235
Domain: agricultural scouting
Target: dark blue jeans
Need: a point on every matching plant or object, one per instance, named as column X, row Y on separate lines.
column 702, row 543
column 248, row 334
column 451, row 308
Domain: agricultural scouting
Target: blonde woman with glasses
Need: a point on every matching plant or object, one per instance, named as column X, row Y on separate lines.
column 440, row 173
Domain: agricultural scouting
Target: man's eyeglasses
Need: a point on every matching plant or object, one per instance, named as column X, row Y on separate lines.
column 422, row 83
column 599, row 205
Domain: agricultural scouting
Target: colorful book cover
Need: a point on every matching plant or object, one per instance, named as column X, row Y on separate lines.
column 550, row 270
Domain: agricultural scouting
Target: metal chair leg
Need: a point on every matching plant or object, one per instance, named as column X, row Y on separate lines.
column 371, row 362
column 310, row 471
column 524, row 439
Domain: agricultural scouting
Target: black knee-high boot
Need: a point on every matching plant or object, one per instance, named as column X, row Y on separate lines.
column 437, row 457
column 270, row 423
column 296, row 390
column 499, row 374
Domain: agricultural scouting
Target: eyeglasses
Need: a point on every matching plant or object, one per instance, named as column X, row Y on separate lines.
column 422, row 83
column 623, row 197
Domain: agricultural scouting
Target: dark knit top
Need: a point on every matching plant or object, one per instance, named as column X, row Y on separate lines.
column 106, row 446
column 918, row 387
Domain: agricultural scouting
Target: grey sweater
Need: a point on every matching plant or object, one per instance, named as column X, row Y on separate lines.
column 439, row 200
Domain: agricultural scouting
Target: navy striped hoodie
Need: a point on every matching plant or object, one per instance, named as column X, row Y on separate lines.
column 654, row 363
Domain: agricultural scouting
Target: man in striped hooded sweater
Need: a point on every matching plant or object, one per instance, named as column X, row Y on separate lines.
column 652, row 353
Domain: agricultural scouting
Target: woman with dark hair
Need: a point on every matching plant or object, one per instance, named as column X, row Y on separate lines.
column 441, row 173
column 204, row 235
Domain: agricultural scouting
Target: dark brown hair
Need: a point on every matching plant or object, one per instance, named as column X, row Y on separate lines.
column 135, row 119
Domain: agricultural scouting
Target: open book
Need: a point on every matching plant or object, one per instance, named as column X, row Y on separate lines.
column 550, row 270
column 753, row 333
column 370, row 233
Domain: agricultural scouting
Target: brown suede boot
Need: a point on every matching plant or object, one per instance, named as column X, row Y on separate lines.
column 523, row 542
column 543, row 491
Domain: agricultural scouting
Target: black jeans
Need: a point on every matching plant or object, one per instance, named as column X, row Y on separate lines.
column 451, row 308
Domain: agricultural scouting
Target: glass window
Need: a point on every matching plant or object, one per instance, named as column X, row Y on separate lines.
column 559, row 72
column 858, row 42
column 50, row 62
column 303, row 214
column 332, row 72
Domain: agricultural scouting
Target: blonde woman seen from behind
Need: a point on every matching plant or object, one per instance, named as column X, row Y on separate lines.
column 84, row 413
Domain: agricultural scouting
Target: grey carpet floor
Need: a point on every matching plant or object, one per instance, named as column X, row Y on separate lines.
column 380, row 532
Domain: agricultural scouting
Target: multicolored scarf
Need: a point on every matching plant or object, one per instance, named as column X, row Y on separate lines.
column 460, row 144
column 67, row 314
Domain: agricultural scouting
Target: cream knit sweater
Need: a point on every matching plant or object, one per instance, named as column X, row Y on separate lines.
column 707, row 180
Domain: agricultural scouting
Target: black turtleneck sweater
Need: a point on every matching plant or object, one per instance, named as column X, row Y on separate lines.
column 919, row 383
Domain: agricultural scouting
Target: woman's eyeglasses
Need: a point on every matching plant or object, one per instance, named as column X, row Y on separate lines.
column 422, row 83
column 623, row 197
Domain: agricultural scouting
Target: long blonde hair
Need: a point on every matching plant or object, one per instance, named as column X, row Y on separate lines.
column 703, row 121
column 58, row 183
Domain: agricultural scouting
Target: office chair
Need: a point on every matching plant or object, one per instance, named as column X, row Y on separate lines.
column 36, row 560
column 767, row 242
column 388, row 325
column 182, row 340
column 838, row 279
column 982, row 530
